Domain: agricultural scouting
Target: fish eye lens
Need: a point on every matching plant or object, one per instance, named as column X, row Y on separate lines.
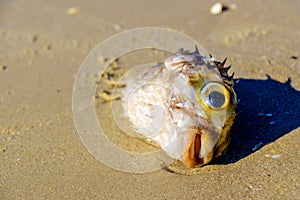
column 216, row 99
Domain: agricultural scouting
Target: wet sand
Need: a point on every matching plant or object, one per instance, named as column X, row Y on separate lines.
column 42, row 47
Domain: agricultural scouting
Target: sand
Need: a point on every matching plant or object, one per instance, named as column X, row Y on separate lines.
column 42, row 45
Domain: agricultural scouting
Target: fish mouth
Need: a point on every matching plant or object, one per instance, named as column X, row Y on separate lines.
column 193, row 158
column 197, row 146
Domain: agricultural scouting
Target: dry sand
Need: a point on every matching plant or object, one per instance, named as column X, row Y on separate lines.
column 42, row 47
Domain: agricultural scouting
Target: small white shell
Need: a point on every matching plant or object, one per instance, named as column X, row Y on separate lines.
column 216, row 9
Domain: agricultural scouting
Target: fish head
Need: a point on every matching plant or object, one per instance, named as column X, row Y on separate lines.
column 198, row 102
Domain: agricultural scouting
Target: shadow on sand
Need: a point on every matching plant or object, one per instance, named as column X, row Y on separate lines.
column 267, row 110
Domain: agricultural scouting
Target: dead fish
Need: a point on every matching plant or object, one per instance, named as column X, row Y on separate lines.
column 185, row 105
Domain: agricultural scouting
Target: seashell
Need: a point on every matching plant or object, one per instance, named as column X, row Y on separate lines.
column 216, row 9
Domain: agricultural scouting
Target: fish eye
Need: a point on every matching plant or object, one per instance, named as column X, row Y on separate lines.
column 215, row 95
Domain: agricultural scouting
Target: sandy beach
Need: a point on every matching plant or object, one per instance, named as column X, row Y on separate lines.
column 42, row 45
